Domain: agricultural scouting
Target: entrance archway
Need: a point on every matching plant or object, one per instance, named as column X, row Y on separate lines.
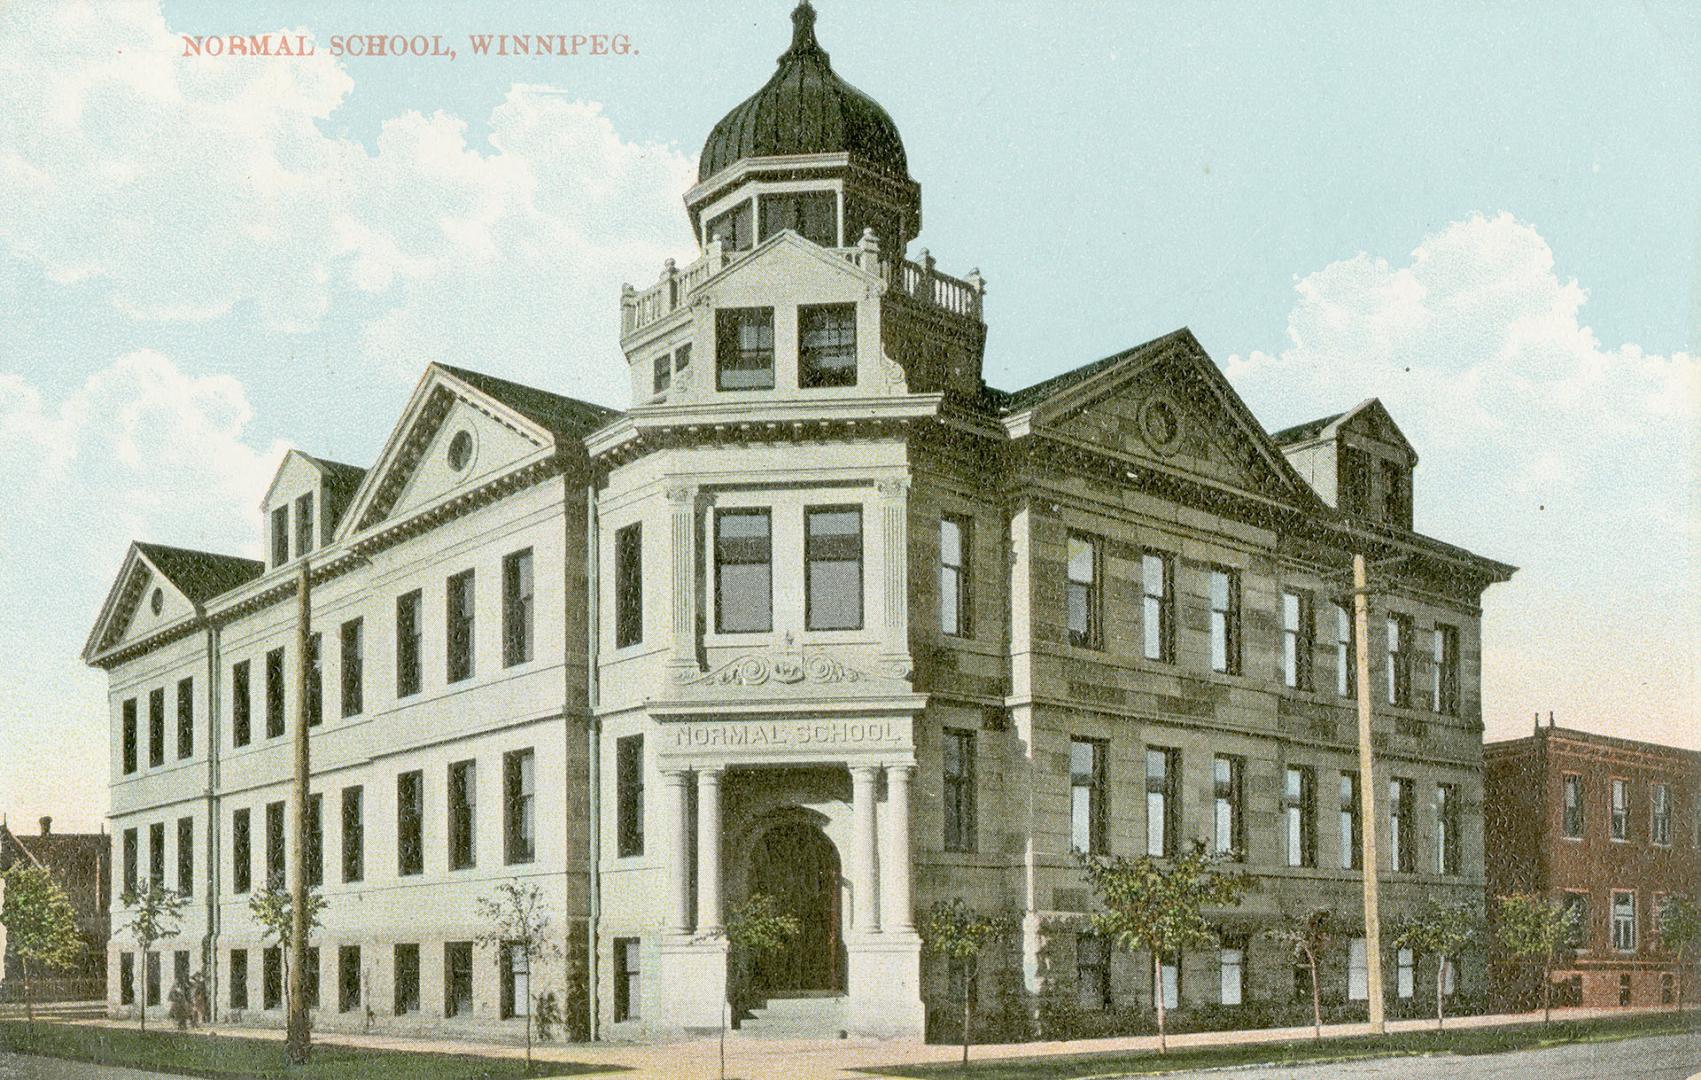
column 797, row 865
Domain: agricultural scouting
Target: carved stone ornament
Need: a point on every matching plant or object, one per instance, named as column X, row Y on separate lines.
column 1161, row 424
column 759, row 669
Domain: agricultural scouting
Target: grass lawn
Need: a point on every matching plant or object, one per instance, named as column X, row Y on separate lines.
column 227, row 1056
column 1405, row 1044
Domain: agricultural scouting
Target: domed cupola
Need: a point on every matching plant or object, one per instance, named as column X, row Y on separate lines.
column 808, row 152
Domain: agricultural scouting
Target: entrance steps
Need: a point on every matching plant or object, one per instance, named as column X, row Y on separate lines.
column 803, row 1016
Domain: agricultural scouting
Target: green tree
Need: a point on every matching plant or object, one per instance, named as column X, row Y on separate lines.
column 961, row 934
column 1680, row 932
column 1309, row 936
column 41, row 924
column 1159, row 905
column 516, row 918
column 156, row 914
column 752, row 928
column 1534, row 927
column 274, row 909
column 1441, row 930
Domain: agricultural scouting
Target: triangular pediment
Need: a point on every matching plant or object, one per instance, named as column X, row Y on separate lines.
column 809, row 272
column 142, row 601
column 1166, row 403
column 1372, row 420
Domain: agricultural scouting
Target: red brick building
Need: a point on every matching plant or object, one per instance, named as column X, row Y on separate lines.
column 82, row 862
column 1610, row 825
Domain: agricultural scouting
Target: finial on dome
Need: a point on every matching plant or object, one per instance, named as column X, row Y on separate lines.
column 803, row 30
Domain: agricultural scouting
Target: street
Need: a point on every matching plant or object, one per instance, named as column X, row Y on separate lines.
column 28, row 1067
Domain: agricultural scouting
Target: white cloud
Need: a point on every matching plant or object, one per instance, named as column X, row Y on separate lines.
column 1539, row 445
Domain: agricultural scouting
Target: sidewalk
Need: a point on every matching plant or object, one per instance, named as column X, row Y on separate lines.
column 762, row 1059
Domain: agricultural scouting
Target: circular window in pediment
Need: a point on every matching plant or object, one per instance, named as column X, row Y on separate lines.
column 156, row 601
column 1160, row 425
column 461, row 450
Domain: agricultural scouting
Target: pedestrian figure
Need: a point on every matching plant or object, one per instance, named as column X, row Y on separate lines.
column 198, row 1011
column 179, row 1011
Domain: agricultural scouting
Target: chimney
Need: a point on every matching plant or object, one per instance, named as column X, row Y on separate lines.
column 1550, row 718
column 46, row 825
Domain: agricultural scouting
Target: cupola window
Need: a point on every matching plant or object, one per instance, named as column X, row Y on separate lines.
column 732, row 228
column 813, row 215
column 826, row 346
column 744, row 349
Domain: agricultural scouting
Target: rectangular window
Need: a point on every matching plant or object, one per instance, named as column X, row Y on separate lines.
column 1399, row 660
column 1624, row 989
column 958, row 769
column 826, row 352
column 271, row 978
column 274, row 693
column 1659, row 827
column 1405, row 966
column 239, row 978
column 1231, row 964
column 1092, row 971
column 410, row 823
column 156, row 855
column 954, row 607
column 1396, row 499
column 127, row 978
column 185, row 718
column 628, row 980
column 348, row 978
column 519, row 798
column 241, row 852
column 315, row 680
column 459, row 626
column 1085, row 595
column 315, row 853
column 1624, row 921
column 629, row 585
column 1087, row 795
column 813, row 215
column 1171, row 975
column 280, row 535
column 1444, row 677
column 130, row 861
column 1157, row 585
column 463, row 815
column 1161, row 803
column 1577, row 910
column 1358, row 971
column 457, row 978
column 1446, row 829
column 275, row 839
column 629, row 794
column 152, row 989
column 180, row 969
column 1228, row 818
column 1346, row 654
column 156, row 727
column 682, row 357
column 1351, row 827
column 1401, row 838
column 1225, row 621
column 744, row 579
column 406, row 979
column 129, row 714
column 744, row 349
column 832, row 553
column 733, row 230
column 1571, row 785
column 186, row 856
column 661, row 371
column 1620, row 809
column 310, row 969
column 241, row 704
column 1299, row 802
column 516, row 981
column 354, row 833
column 303, row 524
column 352, row 637
column 407, row 644
column 517, row 608
column 1298, row 634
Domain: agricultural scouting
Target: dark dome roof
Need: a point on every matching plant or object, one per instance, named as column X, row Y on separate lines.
column 805, row 109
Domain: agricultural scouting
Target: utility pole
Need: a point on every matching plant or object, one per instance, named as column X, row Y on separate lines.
column 298, row 1039
column 1367, row 797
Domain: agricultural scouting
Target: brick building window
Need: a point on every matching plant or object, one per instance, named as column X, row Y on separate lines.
column 1092, row 971
column 348, row 978
column 826, row 346
column 519, row 799
column 457, row 978
column 1299, row 802
column 239, row 978
column 303, row 524
column 275, row 844
column 315, row 853
column 130, row 861
column 186, row 856
column 128, row 710
column 1228, row 813
column 354, row 833
column 1576, row 906
column 1446, row 829
column 156, row 855
column 1620, row 809
column 315, row 681
column 406, row 979
column 463, row 814
column 1571, row 787
column 958, row 768
column 1085, row 592
column 1163, row 767
column 156, row 727
column 280, row 535
column 1659, row 825
column 1225, row 621
column 1157, row 612
column 1624, row 920
column 832, row 556
column 1400, row 660
column 241, row 852
column 274, row 693
column 628, row 980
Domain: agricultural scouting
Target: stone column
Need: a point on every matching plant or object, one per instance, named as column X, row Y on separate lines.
column 682, row 524
column 709, row 850
column 678, row 872
column 897, row 914
column 895, row 635
column 864, row 879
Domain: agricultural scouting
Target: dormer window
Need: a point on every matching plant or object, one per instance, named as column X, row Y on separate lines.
column 826, row 346
column 1396, row 494
column 813, row 215
column 303, row 524
column 1355, row 481
column 280, row 536
column 744, row 349
column 731, row 228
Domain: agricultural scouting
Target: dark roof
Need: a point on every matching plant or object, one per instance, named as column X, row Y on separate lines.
column 1307, row 430
column 805, row 109
column 201, row 575
column 1026, row 398
column 341, row 482
column 564, row 416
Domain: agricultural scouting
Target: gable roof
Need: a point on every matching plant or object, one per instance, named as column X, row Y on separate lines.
column 559, row 414
column 1325, row 427
column 1302, row 432
column 200, row 575
column 1030, row 396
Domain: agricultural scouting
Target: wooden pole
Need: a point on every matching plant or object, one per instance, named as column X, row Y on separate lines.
column 298, row 1038
column 1367, row 798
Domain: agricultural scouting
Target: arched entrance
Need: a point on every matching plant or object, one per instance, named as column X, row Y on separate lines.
column 798, row 866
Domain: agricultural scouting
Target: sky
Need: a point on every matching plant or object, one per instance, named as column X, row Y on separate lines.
column 1486, row 215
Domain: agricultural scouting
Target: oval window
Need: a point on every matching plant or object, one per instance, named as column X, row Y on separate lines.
column 156, row 601
column 460, row 450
